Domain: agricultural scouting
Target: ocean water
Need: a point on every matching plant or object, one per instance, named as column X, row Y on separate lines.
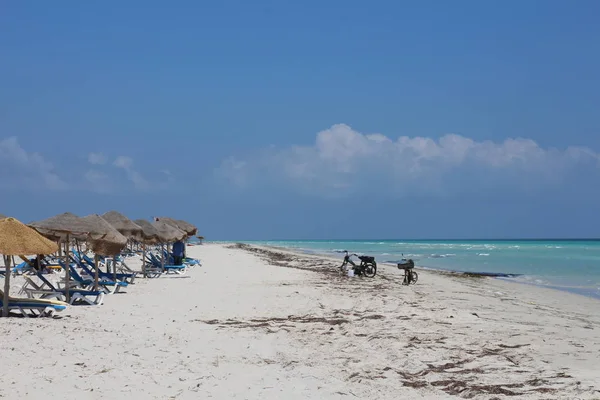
column 572, row 265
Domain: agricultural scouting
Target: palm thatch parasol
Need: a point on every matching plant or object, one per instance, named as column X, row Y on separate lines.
column 168, row 233
column 17, row 238
column 104, row 240
column 2, row 216
column 185, row 226
column 150, row 235
column 124, row 225
column 62, row 228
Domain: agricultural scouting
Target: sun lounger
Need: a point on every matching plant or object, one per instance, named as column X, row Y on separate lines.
column 28, row 264
column 187, row 260
column 123, row 267
column 108, row 286
column 85, row 262
column 155, row 264
column 168, row 264
column 21, row 268
column 47, row 291
column 34, row 307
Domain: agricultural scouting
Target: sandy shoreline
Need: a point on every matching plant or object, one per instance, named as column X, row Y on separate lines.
column 549, row 289
column 557, row 290
column 264, row 324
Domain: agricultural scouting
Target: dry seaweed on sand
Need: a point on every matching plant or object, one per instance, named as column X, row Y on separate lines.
column 467, row 369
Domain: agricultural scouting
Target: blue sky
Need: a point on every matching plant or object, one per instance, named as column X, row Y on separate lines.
column 335, row 119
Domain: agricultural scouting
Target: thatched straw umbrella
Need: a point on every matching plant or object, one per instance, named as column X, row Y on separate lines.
column 168, row 221
column 185, row 226
column 168, row 233
column 104, row 240
column 189, row 229
column 62, row 228
column 150, row 235
column 124, row 225
column 2, row 216
column 16, row 239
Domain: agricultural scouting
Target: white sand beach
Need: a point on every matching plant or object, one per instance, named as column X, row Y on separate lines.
column 266, row 324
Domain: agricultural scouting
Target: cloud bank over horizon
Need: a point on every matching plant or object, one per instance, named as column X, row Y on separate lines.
column 21, row 169
column 340, row 162
column 343, row 161
column 27, row 169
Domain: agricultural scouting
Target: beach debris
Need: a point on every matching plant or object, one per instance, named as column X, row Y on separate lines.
column 466, row 370
column 275, row 321
column 516, row 346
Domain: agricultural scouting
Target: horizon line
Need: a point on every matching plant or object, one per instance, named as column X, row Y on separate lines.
column 420, row 239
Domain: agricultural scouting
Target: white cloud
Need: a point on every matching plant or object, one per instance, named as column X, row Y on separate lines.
column 126, row 163
column 96, row 158
column 22, row 169
column 123, row 162
column 342, row 159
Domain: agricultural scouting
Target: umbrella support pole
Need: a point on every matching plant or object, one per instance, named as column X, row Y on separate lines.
column 162, row 257
column 67, row 271
column 6, row 287
column 114, row 267
column 96, row 270
column 144, row 260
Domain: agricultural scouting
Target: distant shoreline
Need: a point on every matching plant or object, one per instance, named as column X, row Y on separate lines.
column 414, row 240
column 588, row 293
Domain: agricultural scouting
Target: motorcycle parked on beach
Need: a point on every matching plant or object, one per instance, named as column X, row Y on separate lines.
column 410, row 276
column 367, row 266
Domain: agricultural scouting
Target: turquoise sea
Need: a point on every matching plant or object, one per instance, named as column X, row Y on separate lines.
column 572, row 265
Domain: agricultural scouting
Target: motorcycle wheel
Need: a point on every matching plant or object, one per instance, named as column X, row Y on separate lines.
column 370, row 271
column 415, row 277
